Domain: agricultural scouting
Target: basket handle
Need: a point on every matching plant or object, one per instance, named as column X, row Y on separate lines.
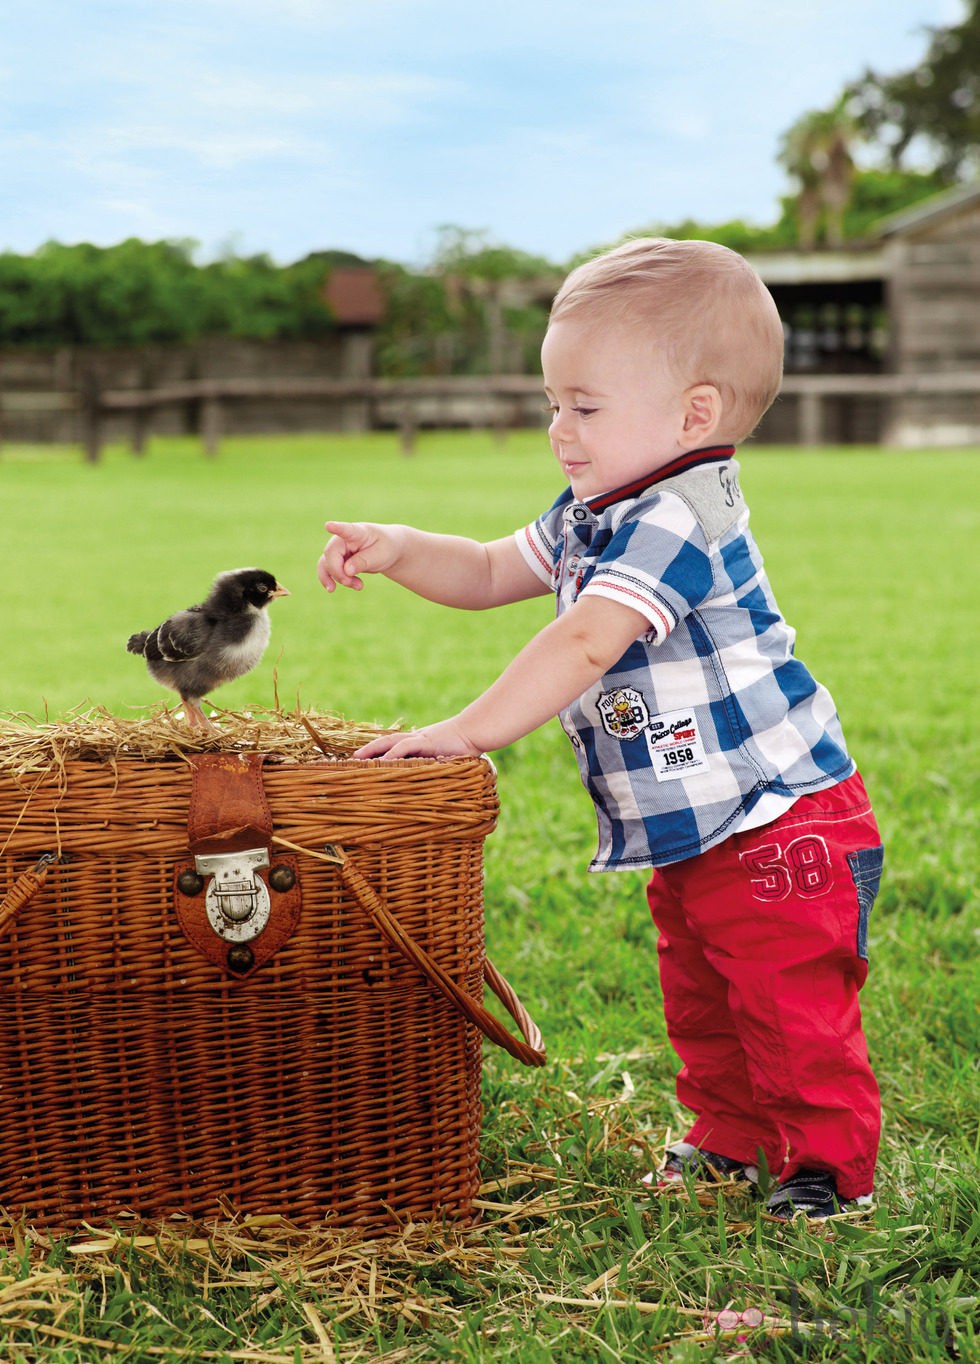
column 24, row 889
column 530, row 1050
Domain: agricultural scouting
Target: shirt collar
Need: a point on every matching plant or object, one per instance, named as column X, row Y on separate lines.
column 693, row 459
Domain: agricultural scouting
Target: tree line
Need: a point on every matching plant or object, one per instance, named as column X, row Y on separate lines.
column 142, row 292
column 482, row 307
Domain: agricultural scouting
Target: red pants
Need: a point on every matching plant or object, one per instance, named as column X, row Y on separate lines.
column 762, row 950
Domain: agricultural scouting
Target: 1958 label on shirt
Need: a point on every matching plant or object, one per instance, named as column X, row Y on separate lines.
column 675, row 745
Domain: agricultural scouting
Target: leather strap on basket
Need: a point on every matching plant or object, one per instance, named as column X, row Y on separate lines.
column 228, row 822
column 530, row 1050
column 24, row 888
column 228, row 810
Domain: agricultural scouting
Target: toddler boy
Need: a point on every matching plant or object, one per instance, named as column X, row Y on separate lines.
column 710, row 752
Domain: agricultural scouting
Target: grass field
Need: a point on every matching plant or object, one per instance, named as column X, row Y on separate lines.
column 872, row 554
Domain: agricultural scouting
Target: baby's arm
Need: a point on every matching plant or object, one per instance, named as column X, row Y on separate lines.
column 560, row 663
column 449, row 569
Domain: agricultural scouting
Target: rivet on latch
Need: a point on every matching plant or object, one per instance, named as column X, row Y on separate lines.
column 282, row 878
column 190, row 883
column 240, row 958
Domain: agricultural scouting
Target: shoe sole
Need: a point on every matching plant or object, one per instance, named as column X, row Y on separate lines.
column 809, row 1215
column 667, row 1179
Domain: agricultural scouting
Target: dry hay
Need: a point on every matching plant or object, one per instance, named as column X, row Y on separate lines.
column 417, row 1278
column 28, row 745
column 326, row 1277
column 331, row 1275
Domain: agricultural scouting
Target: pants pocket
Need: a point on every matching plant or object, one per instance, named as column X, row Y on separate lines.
column 865, row 865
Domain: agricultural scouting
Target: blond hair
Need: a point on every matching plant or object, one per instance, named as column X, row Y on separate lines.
column 703, row 308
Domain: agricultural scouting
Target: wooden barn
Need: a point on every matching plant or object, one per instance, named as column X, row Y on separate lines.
column 883, row 339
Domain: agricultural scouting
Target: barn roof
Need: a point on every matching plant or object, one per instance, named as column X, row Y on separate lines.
column 929, row 210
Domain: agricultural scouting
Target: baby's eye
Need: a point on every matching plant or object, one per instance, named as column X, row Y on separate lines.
column 584, row 411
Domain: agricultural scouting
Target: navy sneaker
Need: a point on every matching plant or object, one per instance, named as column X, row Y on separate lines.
column 813, row 1194
column 704, row 1167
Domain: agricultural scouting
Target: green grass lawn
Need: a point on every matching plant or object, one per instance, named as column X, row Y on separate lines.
column 870, row 552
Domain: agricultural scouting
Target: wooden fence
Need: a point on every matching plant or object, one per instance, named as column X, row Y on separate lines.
column 389, row 402
column 495, row 401
column 813, row 391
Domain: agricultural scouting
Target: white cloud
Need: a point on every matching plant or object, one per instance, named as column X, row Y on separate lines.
column 218, row 150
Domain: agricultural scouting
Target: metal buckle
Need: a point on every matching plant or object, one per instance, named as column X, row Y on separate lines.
column 237, row 901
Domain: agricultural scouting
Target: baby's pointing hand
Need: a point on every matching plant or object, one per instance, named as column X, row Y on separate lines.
column 353, row 548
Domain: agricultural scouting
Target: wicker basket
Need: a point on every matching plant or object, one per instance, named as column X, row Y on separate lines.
column 162, row 1051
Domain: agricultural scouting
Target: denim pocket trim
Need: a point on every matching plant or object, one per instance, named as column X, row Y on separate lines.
column 865, row 865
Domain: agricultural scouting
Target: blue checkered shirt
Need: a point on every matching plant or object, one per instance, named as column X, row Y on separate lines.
column 708, row 724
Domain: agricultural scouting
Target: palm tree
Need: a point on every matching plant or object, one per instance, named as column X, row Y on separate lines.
column 816, row 151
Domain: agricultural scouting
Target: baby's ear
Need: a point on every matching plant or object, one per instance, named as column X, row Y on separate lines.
column 702, row 414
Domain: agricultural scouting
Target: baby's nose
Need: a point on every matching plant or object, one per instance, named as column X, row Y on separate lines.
column 558, row 426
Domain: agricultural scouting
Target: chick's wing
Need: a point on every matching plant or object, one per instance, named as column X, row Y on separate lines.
column 184, row 636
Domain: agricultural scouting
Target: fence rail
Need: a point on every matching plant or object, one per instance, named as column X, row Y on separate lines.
column 407, row 402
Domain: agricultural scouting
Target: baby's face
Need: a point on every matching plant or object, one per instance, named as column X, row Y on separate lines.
column 618, row 412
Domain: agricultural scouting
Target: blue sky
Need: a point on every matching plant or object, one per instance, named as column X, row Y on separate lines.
column 288, row 126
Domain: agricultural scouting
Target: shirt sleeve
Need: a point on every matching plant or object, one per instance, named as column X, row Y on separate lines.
column 657, row 562
column 536, row 552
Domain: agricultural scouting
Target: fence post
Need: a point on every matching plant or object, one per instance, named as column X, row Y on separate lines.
column 810, row 429
column 210, row 422
column 407, row 429
column 141, row 424
column 143, row 414
column 500, row 423
column 91, row 400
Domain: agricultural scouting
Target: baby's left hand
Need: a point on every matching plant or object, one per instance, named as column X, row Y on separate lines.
column 444, row 740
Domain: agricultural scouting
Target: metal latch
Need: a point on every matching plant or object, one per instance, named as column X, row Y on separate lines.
column 237, row 901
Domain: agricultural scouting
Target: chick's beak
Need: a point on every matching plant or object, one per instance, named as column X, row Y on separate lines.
column 280, row 591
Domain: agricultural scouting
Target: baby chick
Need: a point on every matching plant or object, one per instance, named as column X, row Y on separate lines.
column 204, row 646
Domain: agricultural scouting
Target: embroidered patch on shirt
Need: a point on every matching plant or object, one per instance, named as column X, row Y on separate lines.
column 675, row 745
column 623, row 712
